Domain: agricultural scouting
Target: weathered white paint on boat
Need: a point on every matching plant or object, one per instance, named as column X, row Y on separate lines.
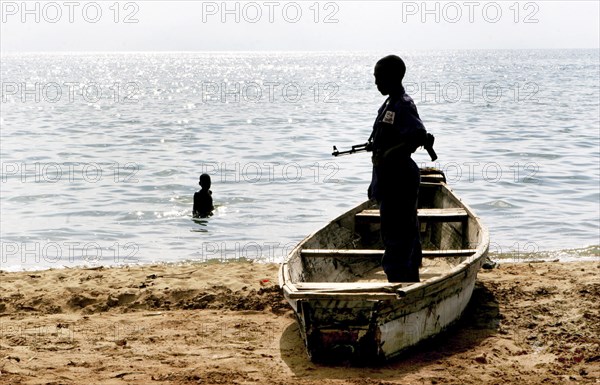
column 407, row 331
column 340, row 316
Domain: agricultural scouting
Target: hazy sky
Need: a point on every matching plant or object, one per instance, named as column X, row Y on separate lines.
column 296, row 25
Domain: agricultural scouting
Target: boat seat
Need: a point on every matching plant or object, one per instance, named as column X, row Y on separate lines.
column 360, row 286
column 341, row 295
column 455, row 214
column 433, row 178
column 350, row 286
column 369, row 253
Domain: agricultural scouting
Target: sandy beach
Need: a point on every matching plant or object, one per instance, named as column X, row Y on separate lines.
column 528, row 323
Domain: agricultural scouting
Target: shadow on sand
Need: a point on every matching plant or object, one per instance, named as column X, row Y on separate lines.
column 480, row 320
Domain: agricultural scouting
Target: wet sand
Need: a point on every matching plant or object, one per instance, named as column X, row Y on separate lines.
column 528, row 323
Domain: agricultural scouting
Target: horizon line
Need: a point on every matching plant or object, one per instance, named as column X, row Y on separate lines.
column 291, row 51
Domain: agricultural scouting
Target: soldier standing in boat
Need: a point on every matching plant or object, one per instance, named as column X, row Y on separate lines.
column 398, row 131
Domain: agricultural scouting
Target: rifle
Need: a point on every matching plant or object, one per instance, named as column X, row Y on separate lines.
column 365, row 147
column 368, row 147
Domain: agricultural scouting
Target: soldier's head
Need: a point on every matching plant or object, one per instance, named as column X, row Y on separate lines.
column 204, row 181
column 389, row 72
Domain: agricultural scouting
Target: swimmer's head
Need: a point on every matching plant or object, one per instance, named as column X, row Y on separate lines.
column 204, row 181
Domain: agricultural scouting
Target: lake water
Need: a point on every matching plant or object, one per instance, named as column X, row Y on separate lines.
column 101, row 153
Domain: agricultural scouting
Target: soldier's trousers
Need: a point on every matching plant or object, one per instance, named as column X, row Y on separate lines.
column 399, row 223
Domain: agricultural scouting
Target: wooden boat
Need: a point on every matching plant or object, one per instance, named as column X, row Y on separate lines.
column 344, row 305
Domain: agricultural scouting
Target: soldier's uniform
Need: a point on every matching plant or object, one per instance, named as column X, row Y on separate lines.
column 397, row 132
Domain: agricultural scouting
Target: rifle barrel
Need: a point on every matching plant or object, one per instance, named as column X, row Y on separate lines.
column 353, row 150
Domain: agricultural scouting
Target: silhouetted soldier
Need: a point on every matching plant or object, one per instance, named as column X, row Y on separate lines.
column 397, row 133
column 203, row 203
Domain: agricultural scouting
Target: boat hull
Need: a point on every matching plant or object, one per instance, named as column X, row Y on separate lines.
column 357, row 323
column 365, row 329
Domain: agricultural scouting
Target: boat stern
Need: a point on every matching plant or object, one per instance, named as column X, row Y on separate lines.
column 345, row 332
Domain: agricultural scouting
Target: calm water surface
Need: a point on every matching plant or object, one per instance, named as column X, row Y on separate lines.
column 101, row 153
